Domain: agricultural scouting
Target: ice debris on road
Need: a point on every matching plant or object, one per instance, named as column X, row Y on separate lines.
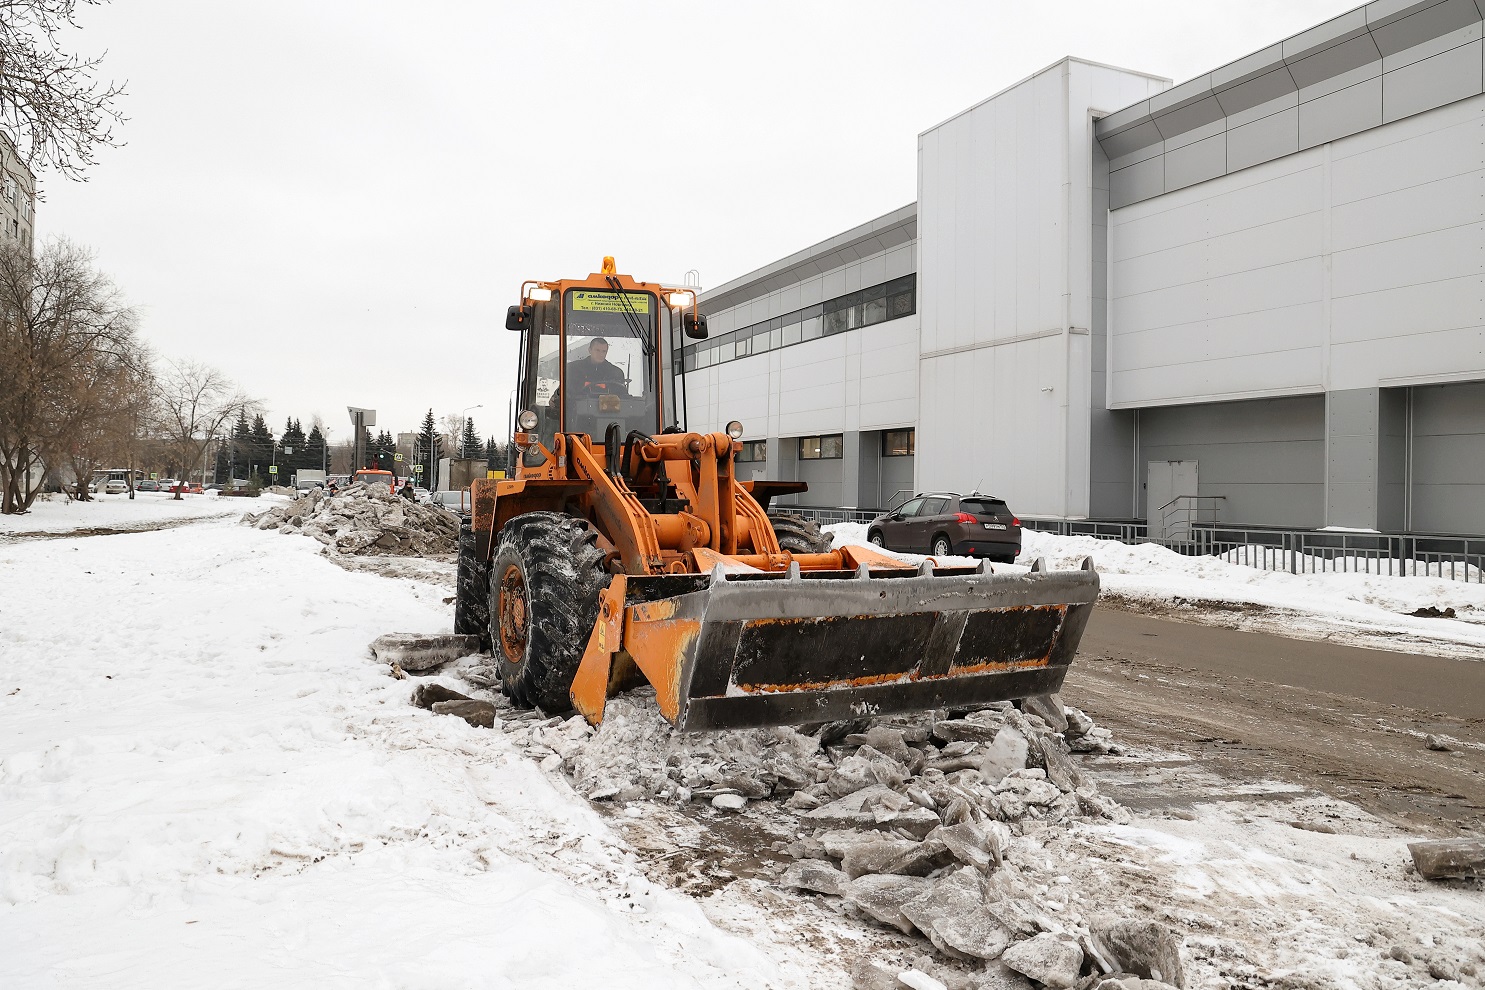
column 366, row 519
column 908, row 819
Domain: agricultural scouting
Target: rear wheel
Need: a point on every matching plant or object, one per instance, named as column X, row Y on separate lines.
column 941, row 546
column 472, row 594
column 543, row 603
column 797, row 534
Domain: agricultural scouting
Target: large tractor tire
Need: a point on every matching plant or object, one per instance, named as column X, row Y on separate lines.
column 797, row 534
column 544, row 586
column 472, row 590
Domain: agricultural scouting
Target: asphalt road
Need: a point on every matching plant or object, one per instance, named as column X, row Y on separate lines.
column 1435, row 684
column 1342, row 720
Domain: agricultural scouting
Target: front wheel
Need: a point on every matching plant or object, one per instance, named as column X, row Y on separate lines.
column 544, row 585
column 875, row 539
column 941, row 546
column 472, row 590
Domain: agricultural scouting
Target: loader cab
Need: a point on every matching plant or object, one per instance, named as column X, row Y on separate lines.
column 592, row 355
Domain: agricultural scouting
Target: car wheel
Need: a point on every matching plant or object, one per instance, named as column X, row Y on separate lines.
column 941, row 546
column 875, row 538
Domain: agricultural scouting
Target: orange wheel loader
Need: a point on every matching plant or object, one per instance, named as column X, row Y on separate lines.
column 623, row 547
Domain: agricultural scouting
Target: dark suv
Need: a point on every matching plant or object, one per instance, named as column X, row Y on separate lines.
column 942, row 523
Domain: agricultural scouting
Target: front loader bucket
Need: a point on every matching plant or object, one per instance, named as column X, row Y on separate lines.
column 740, row 650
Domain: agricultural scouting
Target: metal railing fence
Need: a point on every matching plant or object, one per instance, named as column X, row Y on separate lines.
column 1298, row 551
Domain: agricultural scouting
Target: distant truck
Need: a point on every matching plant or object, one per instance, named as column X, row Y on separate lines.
column 368, row 476
column 305, row 480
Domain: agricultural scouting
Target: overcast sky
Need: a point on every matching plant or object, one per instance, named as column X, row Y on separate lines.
column 334, row 200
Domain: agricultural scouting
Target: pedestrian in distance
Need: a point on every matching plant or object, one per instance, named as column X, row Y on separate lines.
column 407, row 491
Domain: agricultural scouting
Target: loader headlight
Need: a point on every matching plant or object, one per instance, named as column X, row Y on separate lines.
column 526, row 420
column 679, row 299
column 540, row 295
column 735, row 430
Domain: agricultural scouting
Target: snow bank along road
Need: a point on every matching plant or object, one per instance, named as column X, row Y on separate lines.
column 54, row 515
column 205, row 782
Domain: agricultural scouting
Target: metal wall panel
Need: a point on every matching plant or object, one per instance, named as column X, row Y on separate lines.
column 1338, row 114
column 1434, row 81
column 1448, row 458
column 1372, row 65
column 1138, row 182
column 1360, row 265
column 1264, row 139
column 1267, row 457
column 1196, row 162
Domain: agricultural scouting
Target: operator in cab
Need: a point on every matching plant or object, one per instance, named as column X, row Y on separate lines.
column 594, row 375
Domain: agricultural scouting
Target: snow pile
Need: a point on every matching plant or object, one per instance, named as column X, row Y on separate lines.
column 205, row 782
column 365, row 519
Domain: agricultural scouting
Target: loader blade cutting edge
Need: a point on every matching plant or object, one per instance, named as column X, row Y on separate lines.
column 729, row 651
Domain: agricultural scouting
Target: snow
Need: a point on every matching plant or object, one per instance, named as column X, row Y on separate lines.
column 206, row 780
column 1365, row 609
column 148, row 510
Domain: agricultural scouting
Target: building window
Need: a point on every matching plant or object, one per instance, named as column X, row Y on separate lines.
column 898, row 443
column 882, row 302
column 753, row 451
column 823, row 448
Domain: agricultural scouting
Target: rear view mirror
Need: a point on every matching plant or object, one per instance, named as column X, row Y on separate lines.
column 695, row 326
column 518, row 318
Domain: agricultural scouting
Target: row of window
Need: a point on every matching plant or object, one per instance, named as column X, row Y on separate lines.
column 16, row 197
column 830, row 446
column 863, row 308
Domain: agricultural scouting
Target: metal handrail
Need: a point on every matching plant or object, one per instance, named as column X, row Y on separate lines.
column 1166, row 510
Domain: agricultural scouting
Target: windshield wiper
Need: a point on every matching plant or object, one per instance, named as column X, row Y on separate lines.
column 631, row 318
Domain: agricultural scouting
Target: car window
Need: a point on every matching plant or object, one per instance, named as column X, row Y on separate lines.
column 984, row 506
column 910, row 508
column 933, row 506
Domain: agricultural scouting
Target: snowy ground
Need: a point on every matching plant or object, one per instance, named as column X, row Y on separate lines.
column 147, row 510
column 205, row 781
column 1361, row 609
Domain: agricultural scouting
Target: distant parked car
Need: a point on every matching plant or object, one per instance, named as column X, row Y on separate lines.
column 453, row 501
column 945, row 524
column 147, row 486
column 116, row 486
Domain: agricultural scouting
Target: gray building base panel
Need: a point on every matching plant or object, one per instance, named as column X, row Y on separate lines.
column 1389, row 459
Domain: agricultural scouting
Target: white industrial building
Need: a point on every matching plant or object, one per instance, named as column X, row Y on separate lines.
column 1258, row 296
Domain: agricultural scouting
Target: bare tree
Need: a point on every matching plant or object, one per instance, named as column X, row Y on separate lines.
column 51, row 107
column 63, row 326
column 101, row 415
column 193, row 402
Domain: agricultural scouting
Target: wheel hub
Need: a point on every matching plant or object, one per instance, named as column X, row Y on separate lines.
column 512, row 606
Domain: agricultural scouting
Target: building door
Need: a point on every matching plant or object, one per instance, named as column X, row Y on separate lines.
column 1165, row 482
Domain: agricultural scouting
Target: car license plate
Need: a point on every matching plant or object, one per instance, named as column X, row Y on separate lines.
column 995, row 525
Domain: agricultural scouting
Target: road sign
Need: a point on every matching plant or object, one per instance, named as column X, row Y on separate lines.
column 397, row 457
column 154, row 476
column 417, row 469
column 273, row 469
